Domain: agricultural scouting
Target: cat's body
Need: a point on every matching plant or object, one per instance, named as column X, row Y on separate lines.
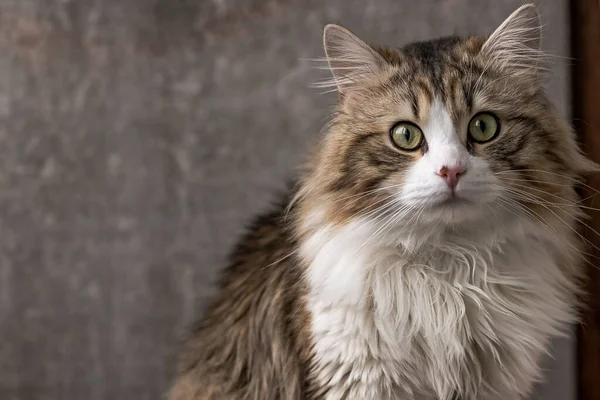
column 427, row 259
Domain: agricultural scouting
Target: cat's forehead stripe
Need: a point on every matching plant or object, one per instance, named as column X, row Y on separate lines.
column 425, row 106
column 436, row 72
column 432, row 59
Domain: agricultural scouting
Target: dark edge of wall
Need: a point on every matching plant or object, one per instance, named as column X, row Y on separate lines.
column 585, row 48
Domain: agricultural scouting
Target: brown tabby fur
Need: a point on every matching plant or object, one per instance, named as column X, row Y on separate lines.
column 252, row 343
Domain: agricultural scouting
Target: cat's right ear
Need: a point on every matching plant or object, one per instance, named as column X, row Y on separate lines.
column 350, row 59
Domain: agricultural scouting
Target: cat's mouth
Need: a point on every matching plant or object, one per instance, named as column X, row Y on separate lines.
column 452, row 200
column 453, row 210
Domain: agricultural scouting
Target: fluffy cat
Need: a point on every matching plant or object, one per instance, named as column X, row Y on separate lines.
column 430, row 251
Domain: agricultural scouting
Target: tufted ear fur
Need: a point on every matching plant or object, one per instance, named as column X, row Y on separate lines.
column 515, row 44
column 350, row 59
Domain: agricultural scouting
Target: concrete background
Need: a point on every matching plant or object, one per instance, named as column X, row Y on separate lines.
column 136, row 139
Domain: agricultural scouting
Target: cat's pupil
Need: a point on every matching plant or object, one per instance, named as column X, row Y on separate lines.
column 406, row 133
column 481, row 125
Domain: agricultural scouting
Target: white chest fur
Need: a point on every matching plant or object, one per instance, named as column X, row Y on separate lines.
column 455, row 318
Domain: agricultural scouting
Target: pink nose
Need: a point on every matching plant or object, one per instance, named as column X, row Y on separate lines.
column 451, row 175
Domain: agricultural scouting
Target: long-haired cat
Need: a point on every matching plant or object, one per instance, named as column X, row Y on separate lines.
column 430, row 251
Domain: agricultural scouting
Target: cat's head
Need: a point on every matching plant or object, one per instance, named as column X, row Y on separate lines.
column 443, row 133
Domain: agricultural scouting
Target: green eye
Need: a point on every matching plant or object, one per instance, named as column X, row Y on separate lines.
column 406, row 136
column 484, row 127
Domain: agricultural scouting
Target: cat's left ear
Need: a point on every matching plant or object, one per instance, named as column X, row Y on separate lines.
column 515, row 45
column 350, row 59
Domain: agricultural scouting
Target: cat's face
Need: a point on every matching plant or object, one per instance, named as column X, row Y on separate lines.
column 440, row 128
column 447, row 132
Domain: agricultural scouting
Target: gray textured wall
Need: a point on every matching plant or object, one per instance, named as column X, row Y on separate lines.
column 136, row 138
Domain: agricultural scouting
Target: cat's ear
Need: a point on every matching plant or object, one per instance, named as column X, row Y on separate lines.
column 515, row 44
column 350, row 59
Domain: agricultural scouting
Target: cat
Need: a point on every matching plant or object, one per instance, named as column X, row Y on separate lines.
column 429, row 251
